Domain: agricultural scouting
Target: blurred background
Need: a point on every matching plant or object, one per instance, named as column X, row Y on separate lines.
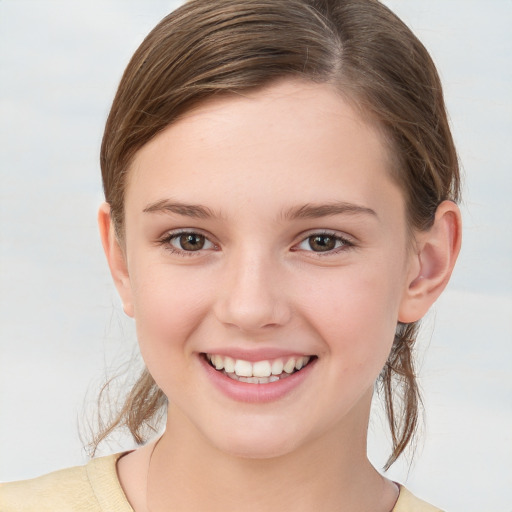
column 62, row 329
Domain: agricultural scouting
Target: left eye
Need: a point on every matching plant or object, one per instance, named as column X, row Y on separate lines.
column 323, row 242
column 190, row 242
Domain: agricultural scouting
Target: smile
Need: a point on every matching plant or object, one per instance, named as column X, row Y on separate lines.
column 258, row 372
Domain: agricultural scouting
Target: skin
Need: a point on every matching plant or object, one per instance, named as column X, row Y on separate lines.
column 253, row 161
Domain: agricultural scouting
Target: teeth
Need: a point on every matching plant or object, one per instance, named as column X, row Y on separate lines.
column 300, row 363
column 290, row 365
column 229, row 364
column 261, row 369
column 260, row 372
column 218, row 362
column 277, row 367
column 254, row 380
column 243, row 368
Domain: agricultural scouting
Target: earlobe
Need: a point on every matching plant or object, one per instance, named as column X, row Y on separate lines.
column 433, row 261
column 115, row 257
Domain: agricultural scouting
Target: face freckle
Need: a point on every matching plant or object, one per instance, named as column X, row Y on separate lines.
column 261, row 227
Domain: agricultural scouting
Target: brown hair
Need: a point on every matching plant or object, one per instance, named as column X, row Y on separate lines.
column 210, row 47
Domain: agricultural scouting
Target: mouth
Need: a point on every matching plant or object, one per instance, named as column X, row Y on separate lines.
column 258, row 372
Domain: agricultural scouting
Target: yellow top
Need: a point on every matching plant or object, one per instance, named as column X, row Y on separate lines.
column 96, row 488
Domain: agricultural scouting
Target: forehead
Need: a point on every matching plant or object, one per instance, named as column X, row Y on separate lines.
column 290, row 140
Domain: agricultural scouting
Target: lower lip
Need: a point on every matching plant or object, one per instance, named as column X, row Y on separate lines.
column 256, row 393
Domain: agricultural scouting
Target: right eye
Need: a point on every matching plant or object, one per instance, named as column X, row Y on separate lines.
column 189, row 241
column 186, row 242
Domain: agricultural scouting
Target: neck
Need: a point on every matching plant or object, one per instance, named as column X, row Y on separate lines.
column 328, row 473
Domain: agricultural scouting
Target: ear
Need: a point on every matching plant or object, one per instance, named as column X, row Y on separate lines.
column 116, row 258
column 434, row 257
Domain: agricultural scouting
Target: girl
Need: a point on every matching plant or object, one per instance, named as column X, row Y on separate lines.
column 281, row 187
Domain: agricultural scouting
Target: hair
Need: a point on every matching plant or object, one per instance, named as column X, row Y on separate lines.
column 210, row 47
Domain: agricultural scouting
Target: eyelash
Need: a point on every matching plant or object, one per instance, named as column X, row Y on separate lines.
column 344, row 242
column 166, row 240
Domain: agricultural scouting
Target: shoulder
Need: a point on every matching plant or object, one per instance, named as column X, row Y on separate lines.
column 407, row 502
column 90, row 488
column 68, row 489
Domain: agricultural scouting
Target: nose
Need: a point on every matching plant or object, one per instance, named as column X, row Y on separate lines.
column 252, row 294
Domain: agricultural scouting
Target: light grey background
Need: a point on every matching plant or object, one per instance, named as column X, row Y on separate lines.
column 61, row 325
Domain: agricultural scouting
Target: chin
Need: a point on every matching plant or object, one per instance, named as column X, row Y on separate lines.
column 257, row 441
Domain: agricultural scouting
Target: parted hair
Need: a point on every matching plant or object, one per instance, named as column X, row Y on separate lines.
column 212, row 47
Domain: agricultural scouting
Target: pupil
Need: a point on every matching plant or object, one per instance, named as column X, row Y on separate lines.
column 321, row 243
column 191, row 242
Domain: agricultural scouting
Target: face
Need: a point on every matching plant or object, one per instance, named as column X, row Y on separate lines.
column 267, row 263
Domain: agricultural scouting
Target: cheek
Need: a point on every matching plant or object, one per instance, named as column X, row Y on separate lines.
column 356, row 313
column 168, row 307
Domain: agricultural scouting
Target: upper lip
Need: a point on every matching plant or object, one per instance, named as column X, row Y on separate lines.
column 258, row 354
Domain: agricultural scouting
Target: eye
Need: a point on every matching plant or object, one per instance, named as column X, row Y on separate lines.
column 324, row 242
column 186, row 242
column 189, row 241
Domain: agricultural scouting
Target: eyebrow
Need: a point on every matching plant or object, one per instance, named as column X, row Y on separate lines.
column 314, row 211
column 307, row 211
column 188, row 210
